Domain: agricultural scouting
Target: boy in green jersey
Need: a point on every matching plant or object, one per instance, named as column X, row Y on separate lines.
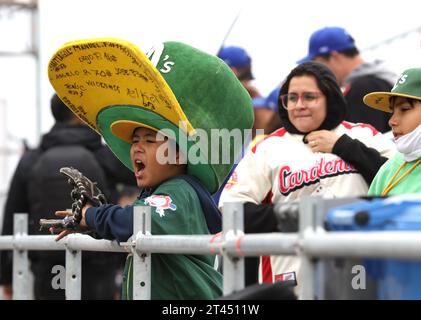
column 150, row 110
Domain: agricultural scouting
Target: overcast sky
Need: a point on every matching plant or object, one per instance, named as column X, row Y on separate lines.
column 275, row 33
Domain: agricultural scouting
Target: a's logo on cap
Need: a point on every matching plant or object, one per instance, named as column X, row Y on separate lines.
column 401, row 80
column 155, row 55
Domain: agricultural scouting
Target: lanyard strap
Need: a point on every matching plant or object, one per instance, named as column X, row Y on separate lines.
column 391, row 184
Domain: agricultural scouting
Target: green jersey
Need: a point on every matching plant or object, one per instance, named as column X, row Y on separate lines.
column 175, row 209
column 409, row 184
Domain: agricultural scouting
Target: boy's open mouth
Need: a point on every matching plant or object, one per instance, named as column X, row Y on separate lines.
column 139, row 166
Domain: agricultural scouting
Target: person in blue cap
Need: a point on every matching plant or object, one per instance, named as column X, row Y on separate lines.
column 336, row 48
column 239, row 61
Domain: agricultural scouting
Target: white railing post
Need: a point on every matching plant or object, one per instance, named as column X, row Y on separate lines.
column 232, row 266
column 141, row 260
column 73, row 274
column 307, row 218
column 21, row 284
column 321, row 267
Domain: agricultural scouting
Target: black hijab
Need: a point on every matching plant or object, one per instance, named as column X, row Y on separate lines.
column 327, row 83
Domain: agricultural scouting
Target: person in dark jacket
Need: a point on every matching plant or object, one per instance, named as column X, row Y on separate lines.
column 335, row 48
column 37, row 188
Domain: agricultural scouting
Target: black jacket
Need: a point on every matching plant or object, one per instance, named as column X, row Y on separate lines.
column 368, row 77
column 39, row 189
column 358, row 111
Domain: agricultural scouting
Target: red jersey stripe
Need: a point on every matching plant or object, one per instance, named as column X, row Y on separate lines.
column 350, row 125
column 278, row 133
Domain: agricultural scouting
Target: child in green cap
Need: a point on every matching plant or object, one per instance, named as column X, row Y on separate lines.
column 148, row 108
column 401, row 173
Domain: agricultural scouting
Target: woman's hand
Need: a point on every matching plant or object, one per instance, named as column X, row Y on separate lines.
column 322, row 140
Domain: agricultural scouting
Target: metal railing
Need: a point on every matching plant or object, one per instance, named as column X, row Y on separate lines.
column 232, row 244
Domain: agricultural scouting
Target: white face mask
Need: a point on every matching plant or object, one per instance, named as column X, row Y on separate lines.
column 410, row 145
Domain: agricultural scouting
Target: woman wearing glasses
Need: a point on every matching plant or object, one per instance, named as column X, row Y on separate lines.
column 315, row 153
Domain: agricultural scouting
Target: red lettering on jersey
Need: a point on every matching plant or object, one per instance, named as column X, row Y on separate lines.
column 290, row 181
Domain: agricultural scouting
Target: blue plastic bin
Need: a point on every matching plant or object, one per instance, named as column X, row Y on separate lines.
column 396, row 279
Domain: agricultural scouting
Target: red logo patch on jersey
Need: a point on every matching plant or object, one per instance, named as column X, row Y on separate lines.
column 160, row 203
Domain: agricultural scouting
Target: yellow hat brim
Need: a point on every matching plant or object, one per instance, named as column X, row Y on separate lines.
column 124, row 129
column 381, row 100
column 93, row 74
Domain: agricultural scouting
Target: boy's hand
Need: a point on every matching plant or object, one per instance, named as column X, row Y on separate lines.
column 82, row 227
column 85, row 194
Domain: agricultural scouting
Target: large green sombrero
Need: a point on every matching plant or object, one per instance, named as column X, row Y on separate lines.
column 114, row 87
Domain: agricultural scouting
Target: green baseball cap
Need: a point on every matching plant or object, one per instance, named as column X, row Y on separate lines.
column 408, row 85
column 115, row 88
